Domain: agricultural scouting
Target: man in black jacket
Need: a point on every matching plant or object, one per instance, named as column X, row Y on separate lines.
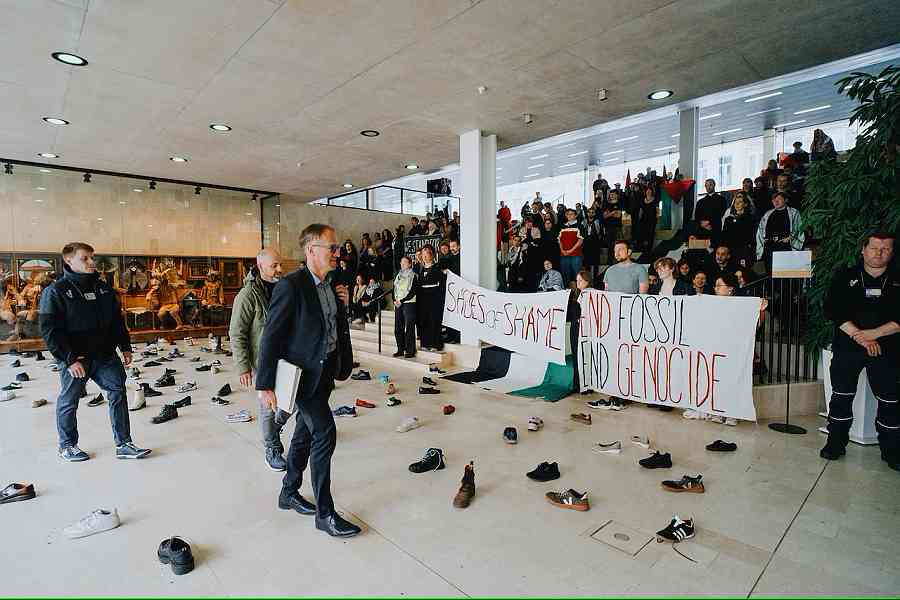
column 307, row 326
column 711, row 207
column 82, row 324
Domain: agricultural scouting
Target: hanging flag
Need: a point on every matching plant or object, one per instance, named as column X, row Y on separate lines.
column 672, row 192
column 628, row 178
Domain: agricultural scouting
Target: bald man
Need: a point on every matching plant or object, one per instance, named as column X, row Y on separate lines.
column 248, row 318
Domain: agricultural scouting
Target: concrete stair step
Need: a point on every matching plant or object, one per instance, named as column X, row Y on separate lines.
column 422, row 357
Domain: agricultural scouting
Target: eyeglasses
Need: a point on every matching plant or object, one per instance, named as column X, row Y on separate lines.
column 331, row 247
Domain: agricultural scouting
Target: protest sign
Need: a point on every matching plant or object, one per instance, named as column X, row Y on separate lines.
column 411, row 245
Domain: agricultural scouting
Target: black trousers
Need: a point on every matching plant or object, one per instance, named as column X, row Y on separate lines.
column 882, row 374
column 313, row 441
column 429, row 316
column 405, row 327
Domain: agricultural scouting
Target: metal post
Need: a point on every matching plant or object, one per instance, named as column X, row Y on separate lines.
column 786, row 427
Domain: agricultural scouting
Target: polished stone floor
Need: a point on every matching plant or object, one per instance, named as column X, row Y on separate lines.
column 775, row 519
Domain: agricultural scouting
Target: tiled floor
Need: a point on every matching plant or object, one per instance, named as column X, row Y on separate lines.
column 833, row 529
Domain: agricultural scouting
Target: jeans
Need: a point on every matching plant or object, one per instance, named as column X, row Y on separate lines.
column 108, row 373
column 570, row 265
column 271, row 426
column 405, row 327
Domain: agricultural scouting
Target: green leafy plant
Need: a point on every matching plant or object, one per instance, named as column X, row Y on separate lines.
column 848, row 199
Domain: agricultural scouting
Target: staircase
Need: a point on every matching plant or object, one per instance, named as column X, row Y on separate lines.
column 365, row 345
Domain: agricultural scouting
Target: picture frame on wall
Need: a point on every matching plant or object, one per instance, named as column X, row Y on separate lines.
column 231, row 274
column 29, row 268
column 198, row 268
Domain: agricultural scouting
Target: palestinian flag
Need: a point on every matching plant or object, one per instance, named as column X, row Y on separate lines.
column 507, row 372
column 670, row 192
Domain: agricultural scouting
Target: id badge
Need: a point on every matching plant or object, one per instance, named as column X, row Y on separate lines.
column 873, row 292
column 93, row 296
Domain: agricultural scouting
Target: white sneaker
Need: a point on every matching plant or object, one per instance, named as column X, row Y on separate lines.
column 408, row 424
column 693, row 414
column 535, row 423
column 241, row 416
column 137, row 400
column 98, row 521
column 731, row 422
column 716, row 419
column 186, row 387
column 7, row 396
column 612, row 448
column 640, row 440
column 216, row 369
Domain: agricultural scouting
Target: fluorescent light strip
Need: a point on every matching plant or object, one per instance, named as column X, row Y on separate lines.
column 612, row 159
column 625, row 139
column 674, row 135
column 567, row 165
column 809, row 110
column 499, row 168
column 613, row 152
column 532, row 175
column 789, row 123
column 578, row 153
column 712, row 116
column 664, row 148
column 569, row 145
column 762, row 112
column 763, row 97
column 728, row 131
column 539, row 156
column 537, row 166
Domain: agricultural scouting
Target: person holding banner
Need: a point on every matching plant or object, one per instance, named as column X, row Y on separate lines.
column 582, row 282
column 430, row 301
column 669, row 284
column 405, row 289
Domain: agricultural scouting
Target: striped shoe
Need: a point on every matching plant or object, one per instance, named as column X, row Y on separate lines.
column 676, row 531
column 569, row 499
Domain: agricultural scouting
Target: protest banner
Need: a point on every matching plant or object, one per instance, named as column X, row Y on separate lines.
column 531, row 324
column 411, row 245
column 691, row 352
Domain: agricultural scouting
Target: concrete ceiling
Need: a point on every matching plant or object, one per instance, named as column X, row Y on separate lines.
column 298, row 80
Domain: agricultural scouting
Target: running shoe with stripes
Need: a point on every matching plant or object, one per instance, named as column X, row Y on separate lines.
column 677, row 530
column 611, row 448
column 186, row 387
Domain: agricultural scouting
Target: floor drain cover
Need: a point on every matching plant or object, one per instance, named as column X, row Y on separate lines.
column 621, row 536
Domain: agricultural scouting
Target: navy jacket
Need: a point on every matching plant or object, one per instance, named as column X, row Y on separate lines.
column 74, row 325
column 295, row 331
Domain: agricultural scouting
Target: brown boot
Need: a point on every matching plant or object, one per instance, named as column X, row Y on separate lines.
column 467, row 489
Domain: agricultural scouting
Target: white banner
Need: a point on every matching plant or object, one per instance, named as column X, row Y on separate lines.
column 692, row 352
column 531, row 324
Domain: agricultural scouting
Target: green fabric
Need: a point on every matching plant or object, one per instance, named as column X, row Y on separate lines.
column 248, row 319
column 557, row 382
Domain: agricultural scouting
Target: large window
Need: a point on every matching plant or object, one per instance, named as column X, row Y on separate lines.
column 841, row 133
column 568, row 189
column 727, row 164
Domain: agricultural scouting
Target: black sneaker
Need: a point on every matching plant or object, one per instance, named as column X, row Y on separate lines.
column 355, row 365
column 720, row 446
column 428, row 390
column 432, row 461
column 510, row 435
column 129, row 450
column 177, row 553
column 832, row 452
column 409, row 355
column 224, row 391
column 436, row 369
column 186, row 401
column 657, row 461
column 96, row 401
column 274, row 460
column 398, row 354
column 204, row 368
column 219, row 401
column 23, row 377
column 149, row 392
column 39, row 356
column 167, row 413
column 152, row 363
column 167, row 380
column 677, row 530
column 163, row 359
column 361, row 376
column 544, row 472
column 16, row 364
column 428, row 381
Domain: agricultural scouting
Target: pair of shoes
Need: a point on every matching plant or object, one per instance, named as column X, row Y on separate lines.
column 429, row 390
column 344, row 411
column 569, row 499
column 17, row 492
column 73, row 454
column 449, row 409
column 275, row 460
column 535, row 423
column 408, row 424
column 38, row 403
column 393, row 401
column 544, row 472
column 149, row 392
column 693, row 485
column 336, row 526
column 433, row 460
column 429, row 381
column 361, row 376
column 97, row 521
column 297, row 503
column 611, row 448
column 581, row 418
column 186, row 401
column 96, row 401
column 720, row 446
column 219, row 401
column 129, row 450
column 364, row 403
column 677, row 530
column 187, row 386
column 166, row 413
column 510, row 435
column 241, row 416
column 177, row 553
column 467, row 487
column 657, row 461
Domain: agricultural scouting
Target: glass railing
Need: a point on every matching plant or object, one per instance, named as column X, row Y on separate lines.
column 392, row 199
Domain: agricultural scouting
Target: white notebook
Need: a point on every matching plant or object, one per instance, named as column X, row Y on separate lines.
column 287, row 381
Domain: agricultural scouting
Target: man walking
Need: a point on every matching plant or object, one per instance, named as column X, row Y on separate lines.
column 248, row 318
column 82, row 324
column 307, row 326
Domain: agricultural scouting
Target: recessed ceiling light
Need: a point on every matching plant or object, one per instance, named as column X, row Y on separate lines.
column 674, row 135
column 99, row 218
column 38, row 200
column 178, row 159
column 499, row 168
column 369, row 133
column 41, row 188
column 809, row 110
column 567, row 165
column 664, row 148
column 660, row 94
column 55, row 121
column 763, row 97
column 578, row 153
column 45, row 170
column 69, row 59
column 779, row 126
column 122, row 202
column 762, row 112
column 538, row 157
column 626, row 139
column 48, row 155
column 249, row 214
column 537, row 166
column 138, row 190
column 712, row 116
column 412, row 166
column 220, row 127
column 613, row 152
column 736, row 129
column 348, row 185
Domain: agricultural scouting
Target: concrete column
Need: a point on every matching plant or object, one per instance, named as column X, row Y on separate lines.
column 769, row 151
column 688, row 152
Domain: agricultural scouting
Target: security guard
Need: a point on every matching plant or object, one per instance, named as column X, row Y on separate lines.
column 864, row 304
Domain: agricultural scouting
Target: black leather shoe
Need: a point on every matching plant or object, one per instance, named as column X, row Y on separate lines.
column 429, row 390
column 177, row 553
column 428, row 381
column 296, row 502
column 336, row 526
column 832, row 452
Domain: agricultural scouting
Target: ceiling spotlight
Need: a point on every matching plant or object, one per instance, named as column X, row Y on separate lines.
column 369, row 133
column 219, row 127
column 44, row 170
column 8, row 168
column 69, row 59
column 86, row 178
column 660, row 94
column 348, row 185
column 528, row 118
column 48, row 155
column 55, row 121
column 197, row 190
column 412, row 166
column 178, row 159
column 152, row 185
column 138, row 190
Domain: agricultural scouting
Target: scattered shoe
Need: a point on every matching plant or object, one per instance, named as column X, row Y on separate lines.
column 467, row 487
column 429, row 390
column 275, row 460
column 23, row 377
column 167, row 380
column 195, row 359
column 730, row 422
column 152, row 363
column 98, row 521
column 510, row 435
column 693, row 415
column 599, row 404
column 344, row 411
column 544, row 472
column 436, row 369
column 241, row 416
column 569, row 499
column 137, row 399
column 364, row 403
column 175, row 353
column 96, row 400
column 391, row 389
column 219, row 401
column 432, row 461
column 611, row 448
column 408, row 424
column 186, row 401
column 176, row 553
column 393, row 401
column 73, row 454
column 149, row 392
column 166, row 413
column 203, row 368
column 16, row 492
column 429, row 381
column 134, row 373
column 676, row 531
column 163, row 359
column 12, row 386
column 216, row 369
column 535, row 423
column 641, row 440
column 581, row 418
column 224, row 391
column 15, row 364
column 720, row 446
column 39, row 357
column 693, row 485
column 187, row 386
column 657, row 461
column 361, row 376
column 449, row 409
column 216, row 363
column 384, row 378
column 38, row 403
column 129, row 450
column 6, row 396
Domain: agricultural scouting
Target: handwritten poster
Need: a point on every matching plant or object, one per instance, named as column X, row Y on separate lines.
column 530, row 324
column 413, row 244
column 691, row 352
